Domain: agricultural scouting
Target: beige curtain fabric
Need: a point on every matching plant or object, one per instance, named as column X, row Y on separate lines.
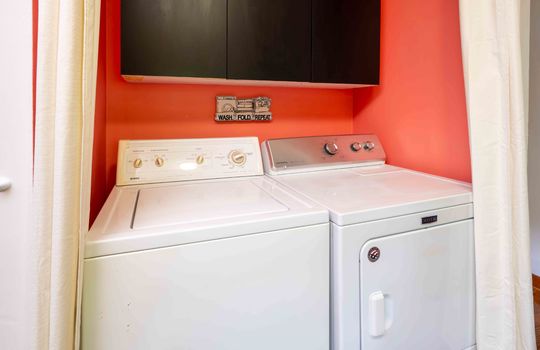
column 68, row 33
column 495, row 66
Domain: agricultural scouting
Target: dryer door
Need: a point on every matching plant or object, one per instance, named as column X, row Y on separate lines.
column 417, row 289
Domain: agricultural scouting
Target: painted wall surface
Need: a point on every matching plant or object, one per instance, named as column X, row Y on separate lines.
column 419, row 109
column 150, row 111
column 534, row 136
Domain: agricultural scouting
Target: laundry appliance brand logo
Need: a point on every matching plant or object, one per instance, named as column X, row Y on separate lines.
column 429, row 219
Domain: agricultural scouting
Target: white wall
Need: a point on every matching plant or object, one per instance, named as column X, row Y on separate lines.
column 16, row 165
column 534, row 135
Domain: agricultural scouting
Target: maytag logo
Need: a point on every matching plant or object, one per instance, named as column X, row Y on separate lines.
column 429, row 219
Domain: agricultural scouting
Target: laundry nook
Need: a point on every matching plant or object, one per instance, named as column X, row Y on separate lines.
column 270, row 175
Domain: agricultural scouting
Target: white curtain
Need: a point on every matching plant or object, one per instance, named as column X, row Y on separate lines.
column 68, row 34
column 495, row 59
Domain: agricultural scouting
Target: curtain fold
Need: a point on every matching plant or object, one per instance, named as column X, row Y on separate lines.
column 68, row 33
column 495, row 49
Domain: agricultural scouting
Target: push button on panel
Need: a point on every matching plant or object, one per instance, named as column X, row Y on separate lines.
column 200, row 159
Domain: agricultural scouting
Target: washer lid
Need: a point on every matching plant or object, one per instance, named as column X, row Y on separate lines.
column 191, row 203
column 377, row 192
column 141, row 217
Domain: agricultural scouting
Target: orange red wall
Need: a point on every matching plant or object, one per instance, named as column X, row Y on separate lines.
column 419, row 109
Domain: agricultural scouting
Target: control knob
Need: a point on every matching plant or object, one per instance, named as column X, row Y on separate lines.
column 237, row 157
column 159, row 162
column 331, row 148
column 356, row 146
column 369, row 146
column 137, row 163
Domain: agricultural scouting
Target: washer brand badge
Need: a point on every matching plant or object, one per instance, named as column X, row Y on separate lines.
column 429, row 219
column 374, row 254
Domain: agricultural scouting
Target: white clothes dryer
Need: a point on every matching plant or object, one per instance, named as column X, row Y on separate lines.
column 196, row 249
column 402, row 243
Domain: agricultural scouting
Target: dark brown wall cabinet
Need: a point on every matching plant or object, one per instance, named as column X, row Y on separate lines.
column 320, row 41
column 269, row 40
column 346, row 41
column 186, row 38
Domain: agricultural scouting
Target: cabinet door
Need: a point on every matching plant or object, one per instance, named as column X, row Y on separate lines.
column 346, row 44
column 185, row 38
column 269, row 40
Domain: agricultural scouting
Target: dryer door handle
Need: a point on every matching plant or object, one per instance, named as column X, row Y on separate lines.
column 376, row 314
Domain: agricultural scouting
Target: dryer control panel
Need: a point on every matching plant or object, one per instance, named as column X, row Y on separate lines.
column 290, row 155
column 153, row 161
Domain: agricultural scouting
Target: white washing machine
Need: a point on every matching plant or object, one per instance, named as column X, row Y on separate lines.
column 196, row 250
column 402, row 243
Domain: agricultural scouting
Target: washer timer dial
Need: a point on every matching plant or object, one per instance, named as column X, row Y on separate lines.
column 237, row 157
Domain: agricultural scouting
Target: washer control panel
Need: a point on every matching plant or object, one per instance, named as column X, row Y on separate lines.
column 321, row 152
column 153, row 161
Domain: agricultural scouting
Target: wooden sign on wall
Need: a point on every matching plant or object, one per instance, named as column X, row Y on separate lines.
column 230, row 108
